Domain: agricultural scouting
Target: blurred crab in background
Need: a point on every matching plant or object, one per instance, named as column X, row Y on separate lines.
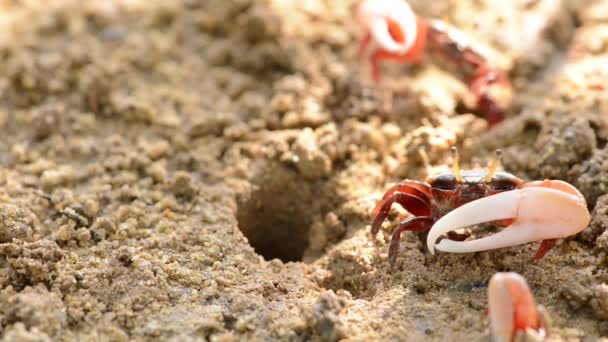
column 399, row 35
column 540, row 210
column 512, row 311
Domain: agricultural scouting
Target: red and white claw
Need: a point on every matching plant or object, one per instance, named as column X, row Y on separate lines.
column 512, row 310
column 381, row 18
column 541, row 210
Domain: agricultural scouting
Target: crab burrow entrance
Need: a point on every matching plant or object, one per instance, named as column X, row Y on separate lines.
column 277, row 214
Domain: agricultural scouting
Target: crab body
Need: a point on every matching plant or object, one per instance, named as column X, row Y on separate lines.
column 436, row 197
column 448, row 193
column 534, row 211
column 399, row 35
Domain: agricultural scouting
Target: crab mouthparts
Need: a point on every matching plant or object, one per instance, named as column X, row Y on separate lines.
column 538, row 213
column 472, row 192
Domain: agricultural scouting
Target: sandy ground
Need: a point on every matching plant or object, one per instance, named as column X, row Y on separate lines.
column 205, row 170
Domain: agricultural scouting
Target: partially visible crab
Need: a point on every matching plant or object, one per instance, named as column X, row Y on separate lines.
column 399, row 35
column 512, row 310
column 540, row 210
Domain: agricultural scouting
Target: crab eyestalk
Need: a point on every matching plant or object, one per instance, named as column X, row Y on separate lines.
column 493, row 167
column 455, row 164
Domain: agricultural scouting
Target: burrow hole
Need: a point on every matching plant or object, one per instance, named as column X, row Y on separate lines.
column 276, row 216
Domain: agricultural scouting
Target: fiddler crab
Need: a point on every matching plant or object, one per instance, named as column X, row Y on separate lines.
column 512, row 311
column 399, row 35
column 540, row 210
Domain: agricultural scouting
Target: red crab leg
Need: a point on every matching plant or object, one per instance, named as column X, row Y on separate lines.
column 411, row 203
column 414, row 55
column 477, row 71
column 411, row 187
column 487, row 105
column 410, row 195
column 364, row 45
column 545, row 246
column 381, row 55
column 397, row 33
column 415, row 224
column 480, row 85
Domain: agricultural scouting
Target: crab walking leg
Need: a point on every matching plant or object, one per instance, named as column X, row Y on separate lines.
column 364, row 45
column 494, row 114
column 411, row 187
column 511, row 306
column 415, row 224
column 538, row 213
column 545, row 246
column 411, row 203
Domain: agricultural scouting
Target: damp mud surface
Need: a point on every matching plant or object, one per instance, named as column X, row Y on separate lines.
column 206, row 170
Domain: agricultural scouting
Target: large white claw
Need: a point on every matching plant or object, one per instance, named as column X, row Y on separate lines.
column 375, row 13
column 382, row 36
column 539, row 213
